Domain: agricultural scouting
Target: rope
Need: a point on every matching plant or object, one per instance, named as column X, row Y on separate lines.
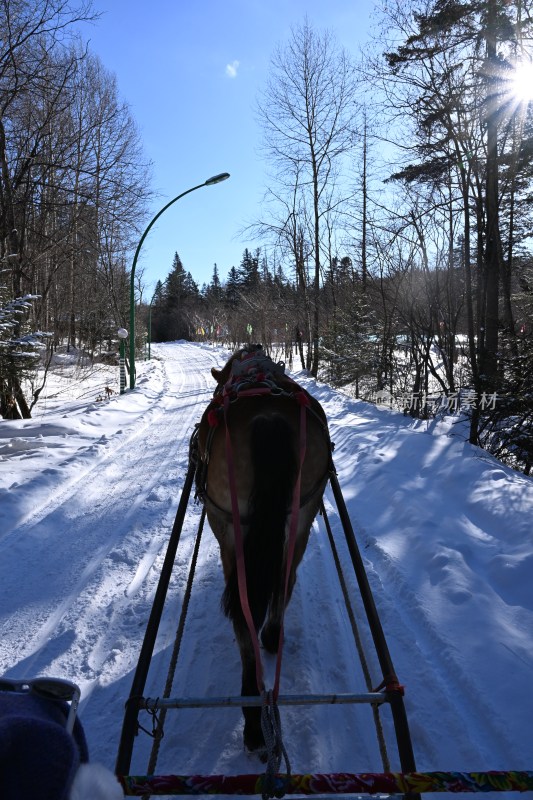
column 293, row 532
column 158, row 732
column 271, row 727
column 337, row 783
column 358, row 642
column 239, row 553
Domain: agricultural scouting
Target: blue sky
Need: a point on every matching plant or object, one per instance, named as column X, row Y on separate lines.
column 191, row 73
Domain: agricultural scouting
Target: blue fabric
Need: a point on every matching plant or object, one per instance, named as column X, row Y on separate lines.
column 38, row 758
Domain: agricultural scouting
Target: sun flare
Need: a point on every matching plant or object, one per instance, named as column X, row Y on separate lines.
column 522, row 82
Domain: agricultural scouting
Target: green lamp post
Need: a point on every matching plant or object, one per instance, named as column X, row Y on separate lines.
column 209, row 182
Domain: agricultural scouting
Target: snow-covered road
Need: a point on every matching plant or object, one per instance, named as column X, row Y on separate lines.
column 88, row 494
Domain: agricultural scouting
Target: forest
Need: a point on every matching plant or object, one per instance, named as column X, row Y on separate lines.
column 391, row 256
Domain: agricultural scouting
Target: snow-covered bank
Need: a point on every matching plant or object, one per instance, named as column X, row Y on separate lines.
column 88, row 493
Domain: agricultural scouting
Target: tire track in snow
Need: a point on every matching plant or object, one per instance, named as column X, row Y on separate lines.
column 428, row 658
column 113, row 513
column 147, row 540
column 85, row 461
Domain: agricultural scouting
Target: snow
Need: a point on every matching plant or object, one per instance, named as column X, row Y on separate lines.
column 88, row 495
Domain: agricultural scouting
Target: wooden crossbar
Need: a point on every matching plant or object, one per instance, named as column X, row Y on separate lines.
column 152, row 704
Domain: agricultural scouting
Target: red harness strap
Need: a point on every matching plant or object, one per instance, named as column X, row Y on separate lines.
column 293, row 530
column 303, row 401
column 239, row 553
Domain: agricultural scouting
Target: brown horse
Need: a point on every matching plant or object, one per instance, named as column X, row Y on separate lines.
column 265, row 440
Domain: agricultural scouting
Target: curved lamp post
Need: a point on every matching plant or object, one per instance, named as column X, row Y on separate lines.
column 209, row 182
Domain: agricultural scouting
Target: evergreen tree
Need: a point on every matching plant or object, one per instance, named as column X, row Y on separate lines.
column 158, row 298
column 347, row 346
column 215, row 287
column 174, row 285
column 249, row 276
column 233, row 287
column 19, row 356
column 174, row 317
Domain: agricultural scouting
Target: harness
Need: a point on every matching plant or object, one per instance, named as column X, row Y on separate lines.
column 255, row 374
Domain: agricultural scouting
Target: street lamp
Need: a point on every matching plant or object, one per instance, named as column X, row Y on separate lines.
column 209, row 182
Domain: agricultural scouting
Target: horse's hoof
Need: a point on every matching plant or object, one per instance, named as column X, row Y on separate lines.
column 259, row 752
column 254, row 741
column 270, row 638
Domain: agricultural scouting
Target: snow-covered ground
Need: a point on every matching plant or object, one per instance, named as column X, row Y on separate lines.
column 88, row 494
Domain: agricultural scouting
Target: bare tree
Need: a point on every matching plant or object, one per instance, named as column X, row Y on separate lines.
column 73, row 180
column 306, row 112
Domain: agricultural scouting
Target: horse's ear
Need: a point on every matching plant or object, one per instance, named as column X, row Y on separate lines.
column 216, row 373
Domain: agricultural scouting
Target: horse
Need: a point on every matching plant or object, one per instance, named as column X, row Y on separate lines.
column 264, row 457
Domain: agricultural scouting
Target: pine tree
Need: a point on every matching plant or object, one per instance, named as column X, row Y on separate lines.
column 215, row 287
column 249, row 276
column 174, row 289
column 233, row 287
column 158, row 297
column 19, row 356
column 176, row 307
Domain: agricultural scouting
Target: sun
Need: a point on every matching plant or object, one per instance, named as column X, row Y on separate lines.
column 521, row 82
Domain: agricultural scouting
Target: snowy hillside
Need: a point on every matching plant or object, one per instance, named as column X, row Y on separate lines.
column 88, row 494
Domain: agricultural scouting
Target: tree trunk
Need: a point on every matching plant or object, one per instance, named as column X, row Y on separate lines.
column 493, row 245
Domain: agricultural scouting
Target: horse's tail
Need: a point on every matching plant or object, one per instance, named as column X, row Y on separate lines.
column 275, row 468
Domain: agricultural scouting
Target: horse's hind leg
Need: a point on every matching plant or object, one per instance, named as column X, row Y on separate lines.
column 272, row 627
column 253, row 735
column 271, row 630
